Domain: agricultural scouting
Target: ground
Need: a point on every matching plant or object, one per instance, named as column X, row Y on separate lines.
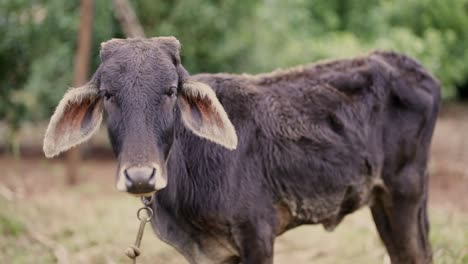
column 42, row 220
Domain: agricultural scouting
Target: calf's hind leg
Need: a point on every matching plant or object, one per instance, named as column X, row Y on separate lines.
column 400, row 214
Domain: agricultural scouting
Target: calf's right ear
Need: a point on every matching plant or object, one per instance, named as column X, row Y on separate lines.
column 76, row 118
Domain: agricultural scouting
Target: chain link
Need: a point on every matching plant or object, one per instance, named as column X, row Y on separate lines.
column 144, row 214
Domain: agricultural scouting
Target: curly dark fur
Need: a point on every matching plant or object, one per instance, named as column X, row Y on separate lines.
column 315, row 143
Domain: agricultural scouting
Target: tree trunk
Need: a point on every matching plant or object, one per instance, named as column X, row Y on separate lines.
column 81, row 71
column 13, row 141
column 128, row 20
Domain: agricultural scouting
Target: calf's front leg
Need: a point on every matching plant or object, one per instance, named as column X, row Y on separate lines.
column 255, row 241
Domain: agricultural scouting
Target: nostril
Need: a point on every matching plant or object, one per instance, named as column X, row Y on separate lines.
column 152, row 178
column 140, row 179
column 128, row 179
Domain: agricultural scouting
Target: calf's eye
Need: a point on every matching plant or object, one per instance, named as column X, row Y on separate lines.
column 172, row 91
column 105, row 94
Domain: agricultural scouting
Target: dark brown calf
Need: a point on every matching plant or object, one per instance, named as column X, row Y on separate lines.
column 238, row 159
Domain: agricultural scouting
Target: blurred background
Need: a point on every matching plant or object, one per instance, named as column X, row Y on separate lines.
column 66, row 210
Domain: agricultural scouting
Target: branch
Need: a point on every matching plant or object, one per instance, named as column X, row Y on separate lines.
column 128, row 20
column 8, row 194
column 60, row 252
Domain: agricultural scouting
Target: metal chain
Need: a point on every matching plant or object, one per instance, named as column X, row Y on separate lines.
column 147, row 200
column 133, row 251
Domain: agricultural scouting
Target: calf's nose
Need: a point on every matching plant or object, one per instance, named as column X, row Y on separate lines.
column 140, row 180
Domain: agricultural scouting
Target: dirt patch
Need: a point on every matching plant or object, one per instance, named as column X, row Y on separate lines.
column 449, row 158
column 31, row 177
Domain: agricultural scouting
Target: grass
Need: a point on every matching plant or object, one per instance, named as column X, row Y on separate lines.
column 10, row 226
column 96, row 227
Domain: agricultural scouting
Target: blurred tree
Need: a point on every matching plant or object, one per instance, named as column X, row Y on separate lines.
column 434, row 31
column 36, row 55
column 204, row 27
column 81, row 72
column 15, row 57
column 38, row 39
column 55, row 40
column 128, row 20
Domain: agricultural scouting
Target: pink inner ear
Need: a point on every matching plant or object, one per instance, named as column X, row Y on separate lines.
column 208, row 113
column 73, row 116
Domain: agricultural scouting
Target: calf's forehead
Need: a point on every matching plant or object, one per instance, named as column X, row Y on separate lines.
column 139, row 56
column 129, row 47
column 143, row 66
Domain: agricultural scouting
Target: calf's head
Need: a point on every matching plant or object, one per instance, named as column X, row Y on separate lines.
column 145, row 91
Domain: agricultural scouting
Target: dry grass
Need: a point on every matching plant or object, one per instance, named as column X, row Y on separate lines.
column 94, row 224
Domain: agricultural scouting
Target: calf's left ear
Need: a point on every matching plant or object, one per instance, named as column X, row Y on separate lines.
column 76, row 118
column 204, row 115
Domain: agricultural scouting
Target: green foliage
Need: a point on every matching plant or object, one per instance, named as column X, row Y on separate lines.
column 14, row 58
column 205, row 29
column 10, row 226
column 258, row 36
column 435, row 32
column 39, row 39
column 40, row 42
column 312, row 30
